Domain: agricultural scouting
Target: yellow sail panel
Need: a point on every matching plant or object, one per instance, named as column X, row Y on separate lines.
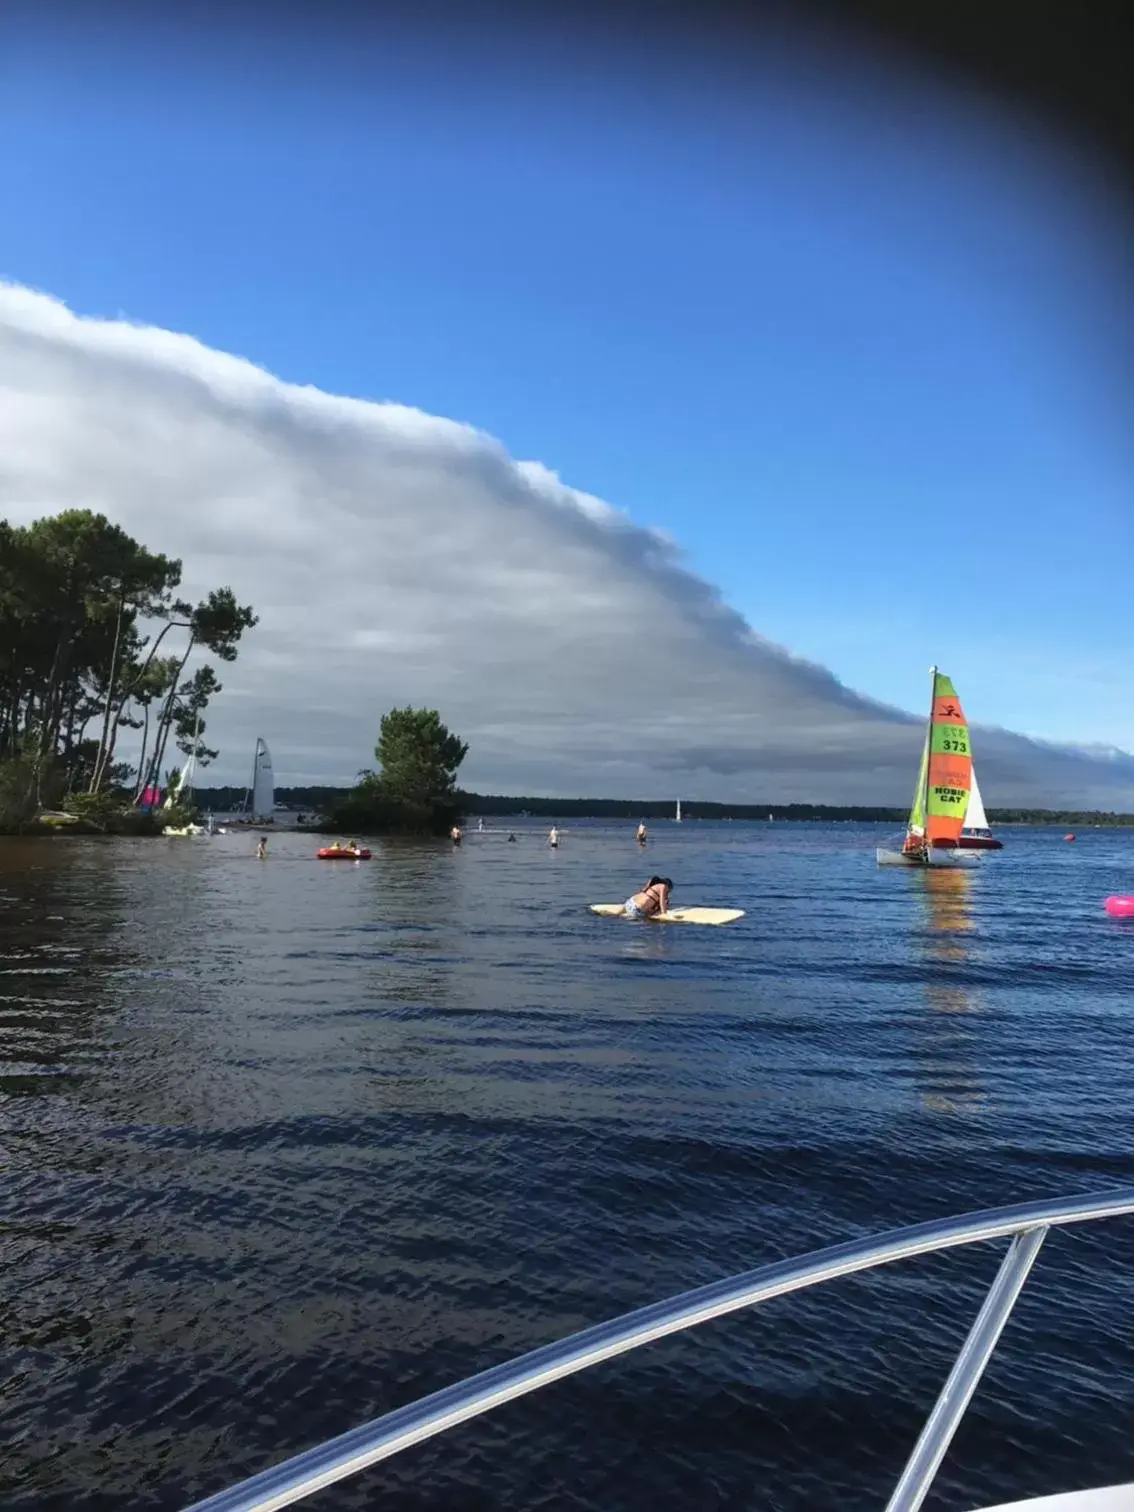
column 917, row 812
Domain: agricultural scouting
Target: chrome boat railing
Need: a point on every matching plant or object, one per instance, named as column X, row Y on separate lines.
column 1024, row 1224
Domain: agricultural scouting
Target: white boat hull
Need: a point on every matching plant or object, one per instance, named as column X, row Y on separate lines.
column 1104, row 1499
column 937, row 858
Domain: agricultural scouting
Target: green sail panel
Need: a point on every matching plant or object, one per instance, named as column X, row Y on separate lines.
column 917, row 812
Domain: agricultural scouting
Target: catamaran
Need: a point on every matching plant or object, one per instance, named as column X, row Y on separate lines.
column 181, row 792
column 944, row 787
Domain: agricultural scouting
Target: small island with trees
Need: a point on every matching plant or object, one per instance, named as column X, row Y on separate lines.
column 414, row 792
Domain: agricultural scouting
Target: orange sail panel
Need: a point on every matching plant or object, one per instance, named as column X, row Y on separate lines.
column 950, row 777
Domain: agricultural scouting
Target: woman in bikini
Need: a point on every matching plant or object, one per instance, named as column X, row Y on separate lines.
column 651, row 901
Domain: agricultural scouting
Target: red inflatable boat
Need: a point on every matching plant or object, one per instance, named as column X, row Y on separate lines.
column 340, row 853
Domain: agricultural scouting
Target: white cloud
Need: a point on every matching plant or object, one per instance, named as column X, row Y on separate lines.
column 393, row 556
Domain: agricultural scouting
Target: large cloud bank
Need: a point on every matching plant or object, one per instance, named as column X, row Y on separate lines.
column 396, row 557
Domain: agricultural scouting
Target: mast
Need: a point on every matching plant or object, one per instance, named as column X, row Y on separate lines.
column 929, row 750
column 191, row 764
column 250, row 791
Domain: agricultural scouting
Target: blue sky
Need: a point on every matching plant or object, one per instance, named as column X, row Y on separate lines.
column 855, row 343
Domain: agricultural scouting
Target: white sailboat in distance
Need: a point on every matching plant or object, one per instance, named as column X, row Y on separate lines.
column 677, row 816
column 263, row 785
column 181, row 792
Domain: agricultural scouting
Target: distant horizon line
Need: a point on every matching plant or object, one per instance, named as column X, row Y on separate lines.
column 311, row 795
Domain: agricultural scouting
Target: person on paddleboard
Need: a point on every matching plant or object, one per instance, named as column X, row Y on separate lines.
column 652, row 900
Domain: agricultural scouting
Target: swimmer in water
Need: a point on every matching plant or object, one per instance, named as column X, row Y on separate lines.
column 511, row 839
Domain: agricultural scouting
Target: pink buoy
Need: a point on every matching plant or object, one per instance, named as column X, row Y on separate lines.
column 1119, row 907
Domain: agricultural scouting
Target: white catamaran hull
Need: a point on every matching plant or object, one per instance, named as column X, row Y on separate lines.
column 936, row 858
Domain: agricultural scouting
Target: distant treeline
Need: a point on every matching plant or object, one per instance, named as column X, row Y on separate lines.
column 228, row 800
column 1081, row 817
column 315, row 799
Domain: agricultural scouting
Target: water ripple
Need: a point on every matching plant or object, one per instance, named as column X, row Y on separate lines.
column 283, row 1146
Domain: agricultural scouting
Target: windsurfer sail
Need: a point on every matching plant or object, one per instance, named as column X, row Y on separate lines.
column 945, row 779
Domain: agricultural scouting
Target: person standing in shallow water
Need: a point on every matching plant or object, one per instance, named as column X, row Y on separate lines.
column 262, row 848
column 642, row 833
column 455, row 834
column 553, row 838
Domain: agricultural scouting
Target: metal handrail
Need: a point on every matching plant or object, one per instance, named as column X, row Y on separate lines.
column 1025, row 1223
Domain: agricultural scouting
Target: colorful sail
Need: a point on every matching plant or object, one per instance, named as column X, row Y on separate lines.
column 945, row 782
column 950, row 766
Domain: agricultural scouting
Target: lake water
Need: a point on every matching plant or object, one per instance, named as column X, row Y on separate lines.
column 286, row 1144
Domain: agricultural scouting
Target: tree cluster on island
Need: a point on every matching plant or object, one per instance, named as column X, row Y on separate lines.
column 95, row 641
column 414, row 791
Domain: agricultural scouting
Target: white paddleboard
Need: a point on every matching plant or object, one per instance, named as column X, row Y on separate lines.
column 675, row 915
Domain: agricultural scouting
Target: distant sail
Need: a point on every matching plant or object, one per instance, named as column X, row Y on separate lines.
column 185, row 781
column 976, row 818
column 677, row 816
column 945, row 781
column 263, row 783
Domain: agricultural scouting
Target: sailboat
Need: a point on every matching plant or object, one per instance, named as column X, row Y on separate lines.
column 976, row 834
column 263, row 806
column 181, row 792
column 677, row 816
column 944, row 786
